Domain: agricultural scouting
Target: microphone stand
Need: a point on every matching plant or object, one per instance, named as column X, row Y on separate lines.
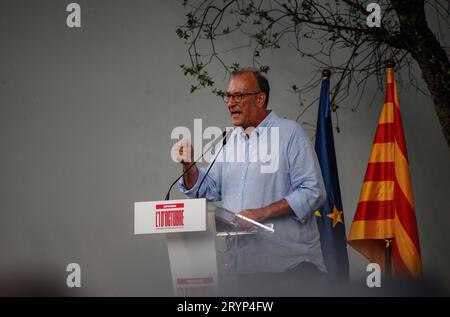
column 224, row 134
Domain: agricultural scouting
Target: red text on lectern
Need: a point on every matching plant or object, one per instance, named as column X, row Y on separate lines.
column 169, row 216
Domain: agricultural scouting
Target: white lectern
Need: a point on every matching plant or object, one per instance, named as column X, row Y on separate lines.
column 191, row 240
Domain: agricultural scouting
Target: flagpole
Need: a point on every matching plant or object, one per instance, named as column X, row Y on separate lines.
column 326, row 73
column 375, row 232
column 387, row 258
column 332, row 233
column 388, row 252
column 390, row 63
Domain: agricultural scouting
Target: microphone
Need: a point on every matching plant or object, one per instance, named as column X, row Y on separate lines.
column 224, row 141
column 224, row 134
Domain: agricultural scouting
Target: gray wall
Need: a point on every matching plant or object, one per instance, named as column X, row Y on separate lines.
column 85, row 122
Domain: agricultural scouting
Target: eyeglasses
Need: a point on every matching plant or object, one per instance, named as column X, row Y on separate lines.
column 238, row 97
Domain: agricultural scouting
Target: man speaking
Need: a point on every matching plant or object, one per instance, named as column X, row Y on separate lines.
column 286, row 196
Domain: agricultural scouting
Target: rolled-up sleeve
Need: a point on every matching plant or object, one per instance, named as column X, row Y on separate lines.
column 308, row 190
column 210, row 188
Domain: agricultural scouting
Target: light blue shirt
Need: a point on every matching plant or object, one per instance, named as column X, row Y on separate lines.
column 242, row 181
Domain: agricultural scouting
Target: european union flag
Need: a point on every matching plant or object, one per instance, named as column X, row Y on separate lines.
column 330, row 218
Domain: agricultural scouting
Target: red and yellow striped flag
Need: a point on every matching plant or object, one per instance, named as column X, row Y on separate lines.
column 386, row 203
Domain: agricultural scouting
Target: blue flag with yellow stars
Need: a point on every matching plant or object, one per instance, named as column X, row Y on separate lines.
column 330, row 218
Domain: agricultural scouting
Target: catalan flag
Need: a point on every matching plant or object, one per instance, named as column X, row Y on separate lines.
column 330, row 218
column 386, row 210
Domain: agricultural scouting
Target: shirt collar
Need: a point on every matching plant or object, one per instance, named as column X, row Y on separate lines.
column 267, row 122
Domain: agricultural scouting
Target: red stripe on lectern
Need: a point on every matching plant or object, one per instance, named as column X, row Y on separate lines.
column 169, row 206
column 194, row 281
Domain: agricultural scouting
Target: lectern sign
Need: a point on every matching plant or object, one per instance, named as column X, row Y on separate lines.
column 169, row 216
column 188, row 215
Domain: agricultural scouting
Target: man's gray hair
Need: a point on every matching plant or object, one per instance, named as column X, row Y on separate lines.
column 263, row 83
